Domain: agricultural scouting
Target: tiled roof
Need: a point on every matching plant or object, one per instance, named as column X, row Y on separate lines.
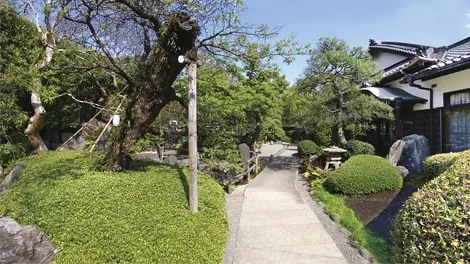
column 455, row 53
column 446, row 57
column 401, row 47
column 391, row 94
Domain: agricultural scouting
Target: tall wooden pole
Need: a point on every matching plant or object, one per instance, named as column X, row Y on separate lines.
column 192, row 134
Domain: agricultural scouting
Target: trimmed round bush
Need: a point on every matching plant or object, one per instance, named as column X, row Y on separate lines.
column 434, row 224
column 364, row 174
column 357, row 147
column 307, row 148
column 437, row 164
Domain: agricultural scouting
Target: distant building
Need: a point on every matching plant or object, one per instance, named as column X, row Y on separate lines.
column 429, row 87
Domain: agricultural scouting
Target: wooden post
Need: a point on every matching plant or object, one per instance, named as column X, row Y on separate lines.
column 192, row 135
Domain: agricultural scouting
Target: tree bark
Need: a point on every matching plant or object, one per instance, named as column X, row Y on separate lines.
column 153, row 91
column 340, row 124
column 35, row 124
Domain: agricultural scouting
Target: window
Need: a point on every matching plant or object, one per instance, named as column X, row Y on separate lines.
column 457, row 121
column 459, row 99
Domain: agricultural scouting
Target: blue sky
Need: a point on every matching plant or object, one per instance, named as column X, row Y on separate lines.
column 429, row 22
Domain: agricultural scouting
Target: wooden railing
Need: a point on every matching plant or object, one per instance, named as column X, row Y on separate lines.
column 250, row 169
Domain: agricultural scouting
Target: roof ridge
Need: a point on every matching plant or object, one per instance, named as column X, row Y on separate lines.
column 458, row 43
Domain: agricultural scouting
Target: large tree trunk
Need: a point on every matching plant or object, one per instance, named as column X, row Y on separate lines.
column 35, row 124
column 154, row 90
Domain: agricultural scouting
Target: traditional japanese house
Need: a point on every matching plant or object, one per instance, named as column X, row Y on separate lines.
column 429, row 87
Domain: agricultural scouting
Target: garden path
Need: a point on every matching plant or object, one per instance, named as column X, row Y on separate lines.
column 276, row 225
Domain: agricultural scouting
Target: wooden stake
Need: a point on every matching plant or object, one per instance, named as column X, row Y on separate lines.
column 192, row 135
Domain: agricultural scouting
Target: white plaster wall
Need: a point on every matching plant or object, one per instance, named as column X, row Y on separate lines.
column 444, row 84
column 385, row 60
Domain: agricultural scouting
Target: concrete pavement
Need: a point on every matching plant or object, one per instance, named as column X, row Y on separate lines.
column 276, row 225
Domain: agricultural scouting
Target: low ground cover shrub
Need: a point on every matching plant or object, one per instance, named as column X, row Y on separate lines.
column 357, row 147
column 312, row 173
column 433, row 225
column 336, row 207
column 364, row 174
column 136, row 216
column 435, row 165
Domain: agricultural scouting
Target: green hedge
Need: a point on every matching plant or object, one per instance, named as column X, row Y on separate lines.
column 433, row 226
column 363, row 174
column 357, row 147
column 437, row 164
column 137, row 216
column 307, row 148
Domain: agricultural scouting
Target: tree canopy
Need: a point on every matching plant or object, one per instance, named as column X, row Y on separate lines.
column 332, row 81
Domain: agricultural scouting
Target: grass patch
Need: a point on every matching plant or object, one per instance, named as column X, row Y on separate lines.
column 336, row 207
column 137, row 216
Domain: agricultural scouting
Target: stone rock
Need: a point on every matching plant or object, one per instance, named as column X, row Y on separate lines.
column 13, row 176
column 415, row 152
column 244, row 153
column 23, row 244
column 151, row 156
column 171, row 160
column 1, row 170
column 395, row 152
column 403, row 171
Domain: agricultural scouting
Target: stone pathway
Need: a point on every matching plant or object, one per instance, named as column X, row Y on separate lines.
column 276, row 225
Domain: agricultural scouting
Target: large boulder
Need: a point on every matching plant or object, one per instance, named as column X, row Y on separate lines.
column 396, row 150
column 414, row 153
column 23, row 244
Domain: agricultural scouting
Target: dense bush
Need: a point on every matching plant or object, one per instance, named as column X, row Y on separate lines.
column 437, row 164
column 136, row 216
column 357, row 147
column 9, row 152
column 363, row 174
column 307, row 148
column 433, row 225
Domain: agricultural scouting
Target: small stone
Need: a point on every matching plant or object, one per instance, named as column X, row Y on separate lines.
column 365, row 253
column 403, row 171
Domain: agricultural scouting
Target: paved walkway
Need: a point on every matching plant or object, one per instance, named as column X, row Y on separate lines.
column 276, row 225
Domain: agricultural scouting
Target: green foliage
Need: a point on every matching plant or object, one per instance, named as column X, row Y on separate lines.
column 364, row 174
column 336, row 207
column 137, row 216
column 10, row 152
column 307, row 148
column 21, row 49
column 437, row 164
column 313, row 173
column 332, row 79
column 12, row 117
column 433, row 226
column 357, row 147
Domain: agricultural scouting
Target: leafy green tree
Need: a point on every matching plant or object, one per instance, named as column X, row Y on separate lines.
column 333, row 77
column 154, row 34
